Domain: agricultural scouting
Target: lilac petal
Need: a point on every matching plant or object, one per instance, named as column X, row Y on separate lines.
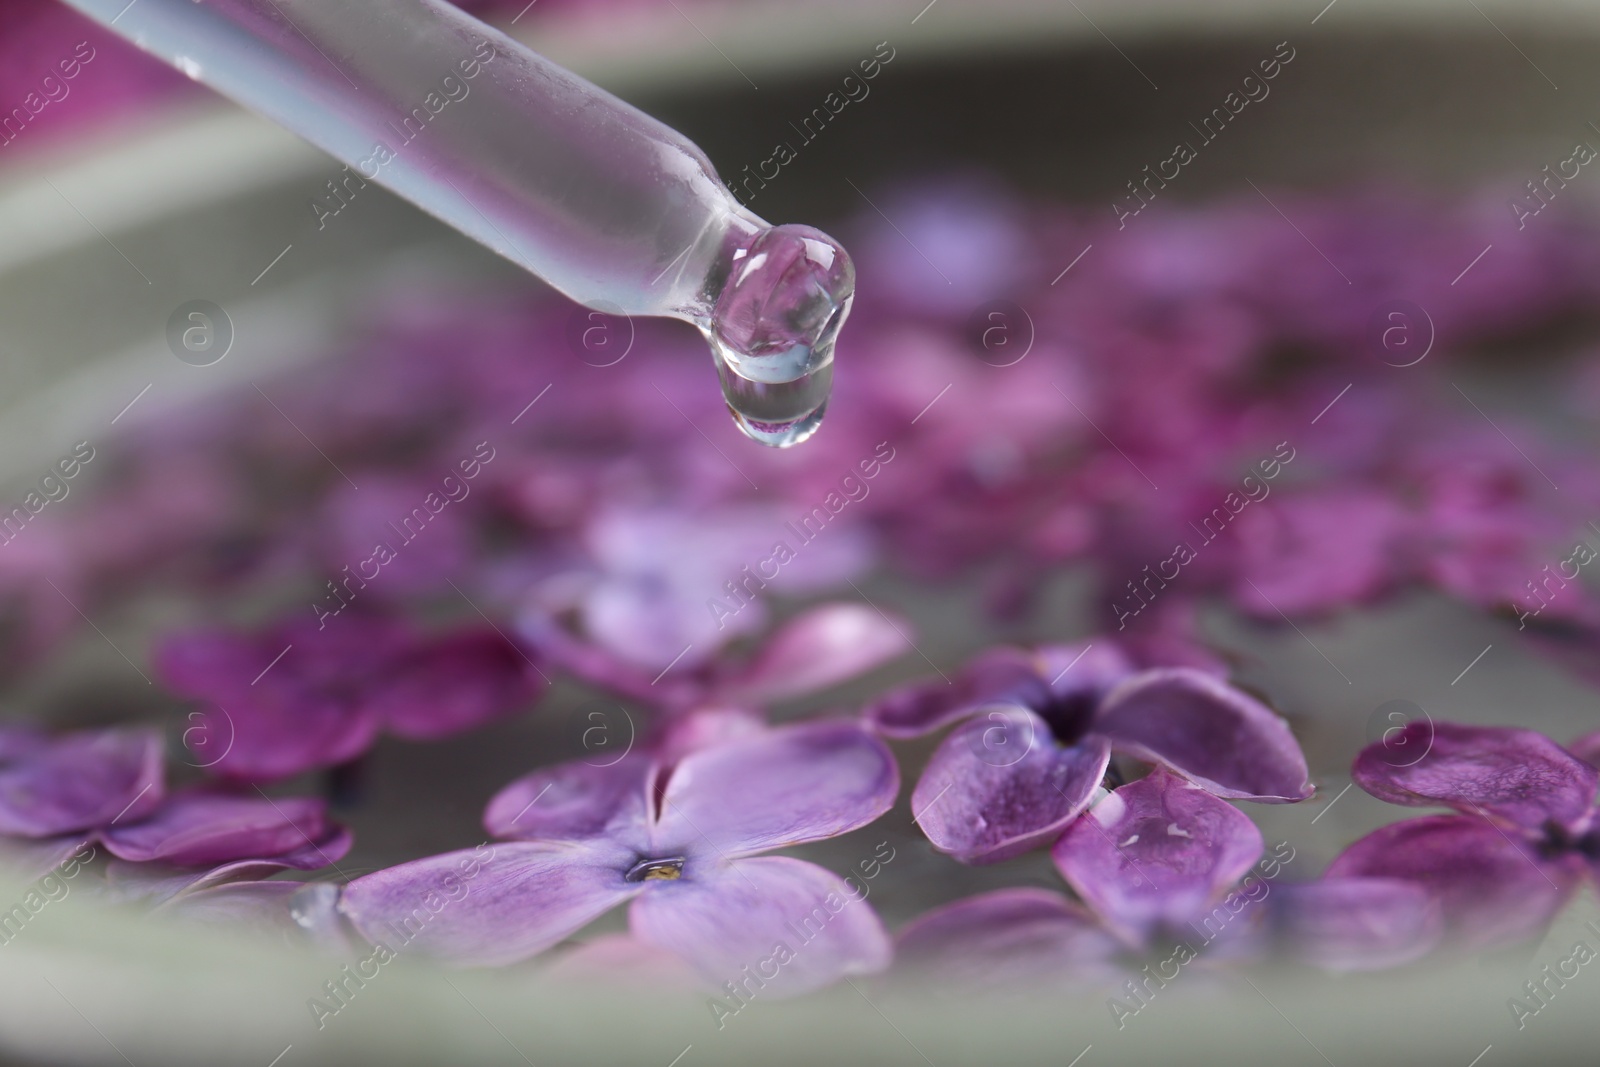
column 999, row 785
column 781, row 925
column 1009, row 937
column 202, row 829
column 1587, row 748
column 1515, row 775
column 778, row 788
column 1358, row 924
column 81, row 781
column 820, row 648
column 573, row 800
column 923, row 707
column 1208, row 731
column 1089, row 670
column 1156, row 852
column 257, row 904
column 492, row 905
column 454, row 683
column 1491, row 887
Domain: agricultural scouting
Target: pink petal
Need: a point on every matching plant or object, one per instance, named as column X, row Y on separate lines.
column 1208, row 731
column 1156, row 853
column 1515, row 775
column 1009, row 937
column 572, row 800
column 772, row 926
column 1491, row 887
column 778, row 788
column 818, row 649
column 199, row 829
column 999, row 785
column 489, row 906
column 82, row 781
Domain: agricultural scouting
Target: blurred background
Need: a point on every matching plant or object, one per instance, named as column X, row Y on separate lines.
column 990, row 167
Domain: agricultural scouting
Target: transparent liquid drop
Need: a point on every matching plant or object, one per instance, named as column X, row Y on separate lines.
column 773, row 329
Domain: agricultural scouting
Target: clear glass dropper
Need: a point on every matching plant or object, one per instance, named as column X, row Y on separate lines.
column 607, row 205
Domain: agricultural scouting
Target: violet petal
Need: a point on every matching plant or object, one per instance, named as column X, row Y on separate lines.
column 1000, row 784
column 1357, row 924
column 80, row 781
column 1514, row 775
column 1208, row 731
column 1008, row 937
column 573, row 800
column 792, row 925
column 824, row 646
column 492, row 905
column 1156, row 853
column 1491, row 887
column 923, row 707
column 781, row 787
column 199, row 829
column 454, row 683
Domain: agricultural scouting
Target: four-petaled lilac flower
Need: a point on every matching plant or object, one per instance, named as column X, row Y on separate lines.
column 295, row 697
column 1164, row 871
column 683, row 843
column 1040, row 728
column 1517, row 850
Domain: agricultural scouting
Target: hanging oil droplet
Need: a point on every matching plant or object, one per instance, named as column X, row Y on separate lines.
column 773, row 331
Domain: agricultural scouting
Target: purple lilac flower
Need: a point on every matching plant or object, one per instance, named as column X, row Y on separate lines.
column 335, row 688
column 1524, row 833
column 1038, row 729
column 682, row 843
column 1164, row 871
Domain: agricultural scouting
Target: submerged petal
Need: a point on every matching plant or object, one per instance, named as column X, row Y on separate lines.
column 1009, row 937
column 81, row 781
column 198, row 829
column 453, row 683
column 1156, row 853
column 489, row 906
column 1208, row 731
column 777, row 788
column 775, row 926
column 573, row 800
column 1000, row 785
column 1492, row 887
column 1513, row 775
column 820, row 648
column 1357, row 924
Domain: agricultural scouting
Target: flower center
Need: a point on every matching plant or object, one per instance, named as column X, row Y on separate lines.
column 662, row 870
